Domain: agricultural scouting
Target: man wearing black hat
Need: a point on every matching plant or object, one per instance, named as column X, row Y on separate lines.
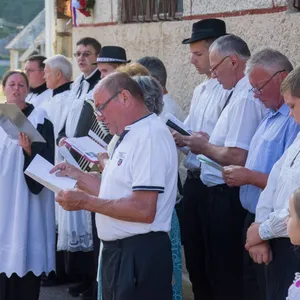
column 110, row 58
column 208, row 101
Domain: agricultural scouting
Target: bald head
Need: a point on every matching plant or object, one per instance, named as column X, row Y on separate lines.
column 119, row 82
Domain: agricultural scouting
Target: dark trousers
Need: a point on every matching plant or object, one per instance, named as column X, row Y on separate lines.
column 194, row 194
column 281, row 270
column 137, row 268
column 16, row 288
column 254, row 285
column 224, row 222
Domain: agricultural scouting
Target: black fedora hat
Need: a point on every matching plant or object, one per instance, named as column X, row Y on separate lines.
column 204, row 29
column 112, row 54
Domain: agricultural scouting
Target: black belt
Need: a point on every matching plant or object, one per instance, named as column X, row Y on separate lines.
column 219, row 187
column 193, row 174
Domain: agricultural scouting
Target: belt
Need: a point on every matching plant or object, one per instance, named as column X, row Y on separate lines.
column 219, row 187
column 195, row 174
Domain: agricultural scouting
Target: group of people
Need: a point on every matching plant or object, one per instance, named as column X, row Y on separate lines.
column 117, row 233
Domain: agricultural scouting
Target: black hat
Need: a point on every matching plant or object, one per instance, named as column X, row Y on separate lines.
column 204, row 29
column 112, row 54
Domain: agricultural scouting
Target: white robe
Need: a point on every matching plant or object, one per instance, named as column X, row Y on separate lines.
column 38, row 100
column 27, row 222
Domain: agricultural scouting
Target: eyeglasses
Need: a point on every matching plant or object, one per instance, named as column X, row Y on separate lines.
column 31, row 71
column 84, row 54
column 214, row 69
column 258, row 91
column 99, row 111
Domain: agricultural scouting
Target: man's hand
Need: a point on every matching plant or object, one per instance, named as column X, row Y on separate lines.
column 178, row 138
column 62, row 142
column 103, row 159
column 25, row 143
column 236, row 175
column 253, row 237
column 65, row 169
column 196, row 142
column 261, row 253
column 72, row 199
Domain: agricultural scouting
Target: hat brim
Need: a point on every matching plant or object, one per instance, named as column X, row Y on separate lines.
column 112, row 62
column 200, row 38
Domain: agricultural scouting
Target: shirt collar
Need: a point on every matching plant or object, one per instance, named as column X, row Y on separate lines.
column 284, row 110
column 242, row 83
column 137, row 122
column 64, row 87
column 38, row 90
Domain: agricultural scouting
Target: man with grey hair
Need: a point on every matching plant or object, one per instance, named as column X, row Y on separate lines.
column 58, row 76
column 227, row 145
column 158, row 70
column 135, row 198
column 266, row 70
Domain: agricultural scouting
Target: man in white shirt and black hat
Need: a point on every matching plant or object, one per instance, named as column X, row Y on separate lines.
column 228, row 144
column 208, row 101
column 135, row 198
column 34, row 69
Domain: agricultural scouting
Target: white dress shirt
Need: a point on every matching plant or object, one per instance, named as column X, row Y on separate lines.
column 235, row 127
column 272, row 208
column 170, row 106
column 207, row 103
column 145, row 159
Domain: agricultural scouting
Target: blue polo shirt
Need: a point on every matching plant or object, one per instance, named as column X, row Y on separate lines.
column 274, row 135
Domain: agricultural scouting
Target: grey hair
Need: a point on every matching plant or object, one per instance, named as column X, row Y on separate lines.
column 229, row 45
column 156, row 68
column 269, row 59
column 61, row 63
column 152, row 90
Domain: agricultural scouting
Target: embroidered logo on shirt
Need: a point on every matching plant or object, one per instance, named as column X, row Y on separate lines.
column 120, row 156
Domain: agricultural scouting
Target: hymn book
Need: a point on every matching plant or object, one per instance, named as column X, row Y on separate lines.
column 175, row 124
column 39, row 170
column 209, row 162
column 88, row 146
column 13, row 121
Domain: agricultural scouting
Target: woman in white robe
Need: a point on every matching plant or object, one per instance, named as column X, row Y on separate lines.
column 27, row 215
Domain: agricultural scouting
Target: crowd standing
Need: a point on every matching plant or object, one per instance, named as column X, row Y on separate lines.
column 117, row 234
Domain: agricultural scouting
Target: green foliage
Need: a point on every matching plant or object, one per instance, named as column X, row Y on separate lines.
column 20, row 11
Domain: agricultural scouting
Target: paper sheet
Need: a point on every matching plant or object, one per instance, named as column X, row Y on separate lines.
column 13, row 121
column 209, row 162
column 86, row 147
column 39, row 170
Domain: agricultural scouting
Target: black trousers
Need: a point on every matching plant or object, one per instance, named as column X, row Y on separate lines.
column 254, row 285
column 16, row 288
column 137, row 268
column 224, row 222
column 281, row 270
column 194, row 195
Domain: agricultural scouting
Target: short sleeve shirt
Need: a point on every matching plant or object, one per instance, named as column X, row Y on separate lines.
column 144, row 160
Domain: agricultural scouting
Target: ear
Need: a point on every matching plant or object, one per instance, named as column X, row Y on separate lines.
column 234, row 61
column 126, row 98
column 282, row 75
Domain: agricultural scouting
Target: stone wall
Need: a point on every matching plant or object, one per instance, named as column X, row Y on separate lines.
column 262, row 23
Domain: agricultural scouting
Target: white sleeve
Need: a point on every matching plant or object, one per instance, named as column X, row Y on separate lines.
column 265, row 202
column 150, row 164
column 245, row 117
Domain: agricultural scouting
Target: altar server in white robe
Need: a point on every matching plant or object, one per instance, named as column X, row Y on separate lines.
column 38, row 90
column 27, row 221
column 58, row 76
column 75, row 234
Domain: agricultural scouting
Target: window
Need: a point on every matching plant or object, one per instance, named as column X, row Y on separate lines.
column 151, row 10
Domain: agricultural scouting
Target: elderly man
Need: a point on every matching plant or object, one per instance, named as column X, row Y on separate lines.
column 228, row 144
column 34, row 69
column 158, row 70
column 135, row 201
column 208, row 100
column 272, row 208
column 58, row 76
column 266, row 70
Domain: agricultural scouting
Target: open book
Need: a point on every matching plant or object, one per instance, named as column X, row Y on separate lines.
column 175, row 124
column 39, row 170
column 13, row 121
column 204, row 159
column 88, row 146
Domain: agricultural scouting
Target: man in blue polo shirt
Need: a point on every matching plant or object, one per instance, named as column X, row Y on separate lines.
column 266, row 70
